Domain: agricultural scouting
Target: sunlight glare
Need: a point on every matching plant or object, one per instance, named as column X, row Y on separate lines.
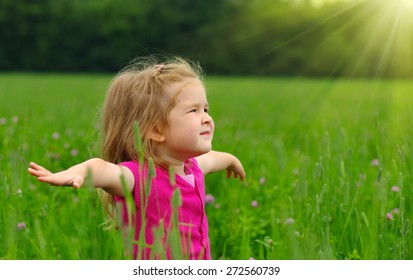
column 408, row 4
column 391, row 34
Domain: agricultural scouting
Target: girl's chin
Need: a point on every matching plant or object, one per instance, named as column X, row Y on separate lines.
column 203, row 151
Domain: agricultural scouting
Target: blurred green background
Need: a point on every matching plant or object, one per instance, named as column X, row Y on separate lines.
column 335, row 38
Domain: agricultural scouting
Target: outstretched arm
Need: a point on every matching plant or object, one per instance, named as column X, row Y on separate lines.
column 214, row 161
column 104, row 175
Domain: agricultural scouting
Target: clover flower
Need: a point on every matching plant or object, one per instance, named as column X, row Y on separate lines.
column 21, row 226
column 289, row 221
column 74, row 152
column 375, row 162
column 395, row 189
column 209, row 198
column 389, row 216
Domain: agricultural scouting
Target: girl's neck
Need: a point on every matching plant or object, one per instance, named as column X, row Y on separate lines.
column 177, row 165
column 173, row 160
column 180, row 170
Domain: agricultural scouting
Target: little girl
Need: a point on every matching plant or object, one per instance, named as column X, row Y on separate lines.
column 167, row 104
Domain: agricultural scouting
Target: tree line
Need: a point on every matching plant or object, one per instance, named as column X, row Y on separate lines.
column 235, row 37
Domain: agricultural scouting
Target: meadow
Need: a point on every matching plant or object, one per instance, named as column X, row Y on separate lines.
column 329, row 168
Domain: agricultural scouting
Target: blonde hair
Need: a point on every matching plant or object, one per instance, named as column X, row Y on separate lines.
column 137, row 95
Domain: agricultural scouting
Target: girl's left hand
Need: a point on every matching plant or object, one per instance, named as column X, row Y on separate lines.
column 236, row 170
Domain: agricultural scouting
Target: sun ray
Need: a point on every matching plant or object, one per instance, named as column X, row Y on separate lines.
column 408, row 4
column 383, row 36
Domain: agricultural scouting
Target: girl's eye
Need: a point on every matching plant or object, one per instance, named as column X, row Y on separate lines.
column 206, row 110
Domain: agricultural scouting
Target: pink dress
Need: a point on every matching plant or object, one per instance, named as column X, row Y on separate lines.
column 192, row 220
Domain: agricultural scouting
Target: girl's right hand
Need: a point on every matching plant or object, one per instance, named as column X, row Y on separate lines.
column 63, row 178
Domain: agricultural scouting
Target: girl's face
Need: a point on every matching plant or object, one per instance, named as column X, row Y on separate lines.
column 190, row 127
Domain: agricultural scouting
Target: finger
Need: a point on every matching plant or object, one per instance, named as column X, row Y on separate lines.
column 54, row 180
column 37, row 167
column 39, row 173
column 75, row 182
column 50, row 180
column 242, row 175
column 46, row 179
column 78, row 182
column 31, row 171
column 34, row 170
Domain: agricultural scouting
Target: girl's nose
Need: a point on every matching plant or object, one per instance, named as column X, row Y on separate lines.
column 207, row 119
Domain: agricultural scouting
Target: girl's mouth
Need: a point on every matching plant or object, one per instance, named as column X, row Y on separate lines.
column 208, row 132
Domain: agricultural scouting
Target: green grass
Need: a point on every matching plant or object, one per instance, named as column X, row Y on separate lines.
column 307, row 147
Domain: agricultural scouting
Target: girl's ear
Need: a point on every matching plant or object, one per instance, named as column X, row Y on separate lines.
column 156, row 134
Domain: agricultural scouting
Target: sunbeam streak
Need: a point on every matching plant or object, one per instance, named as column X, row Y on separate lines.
column 379, row 39
column 408, row 4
